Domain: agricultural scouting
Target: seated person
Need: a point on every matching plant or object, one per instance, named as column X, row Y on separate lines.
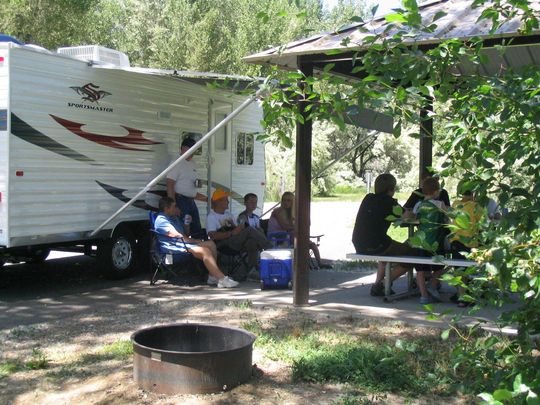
column 282, row 220
column 169, row 227
column 248, row 215
column 418, row 195
column 431, row 213
column 493, row 210
column 222, row 229
column 463, row 239
column 370, row 228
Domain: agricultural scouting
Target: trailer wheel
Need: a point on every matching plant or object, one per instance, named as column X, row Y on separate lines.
column 116, row 256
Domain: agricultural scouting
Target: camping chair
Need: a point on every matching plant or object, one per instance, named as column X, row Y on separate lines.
column 233, row 262
column 165, row 261
column 284, row 240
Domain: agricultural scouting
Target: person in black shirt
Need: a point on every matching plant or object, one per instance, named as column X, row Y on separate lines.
column 369, row 234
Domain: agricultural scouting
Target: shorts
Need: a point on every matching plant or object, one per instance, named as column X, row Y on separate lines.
column 404, row 249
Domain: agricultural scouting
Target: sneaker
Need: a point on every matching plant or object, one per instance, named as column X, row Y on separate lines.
column 377, row 290
column 425, row 300
column 212, row 280
column 227, row 282
column 434, row 293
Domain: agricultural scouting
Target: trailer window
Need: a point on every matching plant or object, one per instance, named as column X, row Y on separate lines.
column 221, row 135
column 244, row 149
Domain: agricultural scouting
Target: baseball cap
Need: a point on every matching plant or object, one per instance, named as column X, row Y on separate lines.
column 188, row 142
column 219, row 194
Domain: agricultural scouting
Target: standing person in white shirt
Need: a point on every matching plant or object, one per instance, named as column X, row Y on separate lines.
column 182, row 187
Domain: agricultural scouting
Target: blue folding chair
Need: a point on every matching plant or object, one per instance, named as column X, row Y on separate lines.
column 165, row 261
column 280, row 239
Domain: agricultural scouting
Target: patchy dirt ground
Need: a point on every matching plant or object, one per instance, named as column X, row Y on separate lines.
column 73, row 376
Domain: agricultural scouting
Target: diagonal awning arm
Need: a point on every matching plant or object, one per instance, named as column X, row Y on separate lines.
column 183, row 157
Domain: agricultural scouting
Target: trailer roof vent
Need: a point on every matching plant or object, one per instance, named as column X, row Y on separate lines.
column 97, row 54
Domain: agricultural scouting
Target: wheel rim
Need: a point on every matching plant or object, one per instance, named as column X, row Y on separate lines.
column 122, row 254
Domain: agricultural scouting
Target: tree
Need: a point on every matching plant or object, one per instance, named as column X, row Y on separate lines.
column 49, row 23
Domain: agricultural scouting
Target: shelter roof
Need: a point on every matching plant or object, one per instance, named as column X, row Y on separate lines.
column 459, row 22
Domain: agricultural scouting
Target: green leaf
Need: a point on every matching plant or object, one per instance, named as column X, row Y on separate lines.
column 501, row 395
column 439, row 15
column 263, row 16
column 485, row 89
column 334, row 52
column 371, row 78
column 328, row 67
column 445, row 334
column 396, row 17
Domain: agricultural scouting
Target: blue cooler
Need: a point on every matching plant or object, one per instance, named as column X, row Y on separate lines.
column 276, row 268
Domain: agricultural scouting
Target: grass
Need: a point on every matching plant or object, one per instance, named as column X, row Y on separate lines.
column 244, row 304
column 9, row 367
column 369, row 362
column 82, row 366
column 345, row 193
column 37, row 361
column 120, row 350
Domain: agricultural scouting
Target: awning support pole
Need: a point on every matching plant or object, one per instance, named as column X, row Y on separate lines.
column 426, row 141
column 190, row 152
column 303, row 199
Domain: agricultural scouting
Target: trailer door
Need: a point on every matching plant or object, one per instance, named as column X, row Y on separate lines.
column 220, row 148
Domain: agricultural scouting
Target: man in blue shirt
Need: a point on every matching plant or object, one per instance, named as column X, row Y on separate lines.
column 170, row 229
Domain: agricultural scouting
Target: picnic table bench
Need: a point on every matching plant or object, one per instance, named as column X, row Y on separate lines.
column 436, row 260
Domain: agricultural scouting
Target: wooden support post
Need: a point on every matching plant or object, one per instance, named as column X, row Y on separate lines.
column 302, row 202
column 426, row 142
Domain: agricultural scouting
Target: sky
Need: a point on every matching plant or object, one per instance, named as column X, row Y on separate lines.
column 385, row 6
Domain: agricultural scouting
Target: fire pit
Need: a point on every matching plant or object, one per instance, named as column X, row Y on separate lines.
column 191, row 358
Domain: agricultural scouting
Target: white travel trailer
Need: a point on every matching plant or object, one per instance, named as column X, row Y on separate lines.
column 81, row 133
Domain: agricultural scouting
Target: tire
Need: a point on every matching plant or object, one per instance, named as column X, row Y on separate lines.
column 290, row 285
column 144, row 258
column 117, row 256
column 38, row 255
column 263, row 286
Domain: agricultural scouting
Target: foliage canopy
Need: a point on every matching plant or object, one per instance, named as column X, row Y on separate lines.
column 491, row 140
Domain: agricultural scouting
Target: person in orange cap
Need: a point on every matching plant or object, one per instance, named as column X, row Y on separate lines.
column 223, row 230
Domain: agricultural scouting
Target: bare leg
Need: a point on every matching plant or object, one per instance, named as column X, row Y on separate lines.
column 421, row 281
column 380, row 272
column 399, row 271
column 210, row 245
column 205, row 254
column 435, row 277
